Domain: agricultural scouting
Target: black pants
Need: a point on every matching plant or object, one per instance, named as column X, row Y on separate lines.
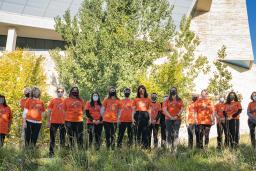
column 153, row 128
column 31, row 133
column 222, row 128
column 252, row 126
column 2, row 137
column 95, row 131
column 135, row 127
column 233, row 131
column 53, row 130
column 163, row 129
column 143, row 129
column 75, row 131
column 110, row 129
column 191, row 134
column 202, row 134
column 121, row 130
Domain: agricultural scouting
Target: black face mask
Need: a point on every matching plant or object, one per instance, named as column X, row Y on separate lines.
column 126, row 94
column 27, row 95
column 112, row 94
column 173, row 92
column 194, row 99
column 76, row 94
column 154, row 99
column 232, row 98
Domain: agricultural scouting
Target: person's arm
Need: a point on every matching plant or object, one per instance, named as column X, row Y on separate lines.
column 10, row 120
column 49, row 118
column 237, row 113
column 24, row 115
column 133, row 114
column 180, row 112
column 88, row 115
column 166, row 113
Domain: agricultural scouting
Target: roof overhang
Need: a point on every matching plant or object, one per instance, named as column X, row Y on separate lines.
column 203, row 5
column 244, row 63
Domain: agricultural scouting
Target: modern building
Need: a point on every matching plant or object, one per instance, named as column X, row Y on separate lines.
column 30, row 24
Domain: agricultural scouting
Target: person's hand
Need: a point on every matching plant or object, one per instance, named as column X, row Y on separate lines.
column 97, row 122
column 153, row 122
column 93, row 121
column 24, row 125
column 48, row 125
column 234, row 115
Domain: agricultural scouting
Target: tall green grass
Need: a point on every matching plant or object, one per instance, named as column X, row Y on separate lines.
column 130, row 159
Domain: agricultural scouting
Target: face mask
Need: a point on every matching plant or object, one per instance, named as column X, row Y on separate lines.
column 222, row 100
column 173, row 92
column 194, row 99
column 27, row 95
column 112, row 94
column 232, row 97
column 153, row 99
column 1, row 100
column 75, row 93
column 60, row 94
column 126, row 94
column 254, row 98
column 95, row 98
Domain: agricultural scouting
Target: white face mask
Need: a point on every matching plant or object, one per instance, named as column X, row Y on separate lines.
column 254, row 98
column 222, row 99
column 60, row 94
column 95, row 98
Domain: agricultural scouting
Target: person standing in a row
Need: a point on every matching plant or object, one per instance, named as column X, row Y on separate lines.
column 94, row 120
column 173, row 108
column 142, row 117
column 110, row 109
column 251, row 112
column 56, row 120
column 126, row 119
column 204, row 110
column 5, row 119
column 32, row 117
column 232, row 111
column 74, row 108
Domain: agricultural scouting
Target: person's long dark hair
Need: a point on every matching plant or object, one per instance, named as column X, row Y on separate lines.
column 228, row 97
column 92, row 102
column 252, row 95
column 177, row 96
column 4, row 104
column 109, row 96
column 70, row 92
column 145, row 93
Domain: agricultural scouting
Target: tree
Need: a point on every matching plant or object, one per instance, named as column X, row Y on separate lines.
column 220, row 82
column 111, row 42
column 182, row 66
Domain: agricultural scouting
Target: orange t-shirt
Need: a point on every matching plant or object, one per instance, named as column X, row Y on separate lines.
column 219, row 108
column 232, row 108
column 173, row 107
column 252, row 107
column 94, row 111
column 191, row 113
column 154, row 110
column 5, row 119
column 57, row 111
column 23, row 103
column 74, row 109
column 126, row 106
column 111, row 109
column 204, row 109
column 35, row 109
column 142, row 104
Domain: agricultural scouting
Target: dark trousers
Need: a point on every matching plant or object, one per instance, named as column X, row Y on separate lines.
column 163, row 129
column 53, row 130
column 121, row 130
column 252, row 126
column 2, row 137
column 31, row 133
column 222, row 128
column 191, row 134
column 142, row 133
column 153, row 128
column 172, row 132
column 94, row 132
column 110, row 129
column 202, row 134
column 75, row 131
column 233, row 131
column 135, row 127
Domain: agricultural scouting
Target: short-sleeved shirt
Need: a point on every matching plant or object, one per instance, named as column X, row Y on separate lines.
column 23, row 102
column 94, row 111
column 35, row 109
column 155, row 108
column 232, row 108
column 142, row 104
column 219, row 108
column 204, row 109
column 112, row 107
column 252, row 108
column 5, row 119
column 57, row 111
column 126, row 106
column 191, row 113
column 173, row 107
column 73, row 108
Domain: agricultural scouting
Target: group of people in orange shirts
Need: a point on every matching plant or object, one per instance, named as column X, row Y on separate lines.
column 141, row 117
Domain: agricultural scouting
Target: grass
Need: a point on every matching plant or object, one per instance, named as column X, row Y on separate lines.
column 12, row 158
